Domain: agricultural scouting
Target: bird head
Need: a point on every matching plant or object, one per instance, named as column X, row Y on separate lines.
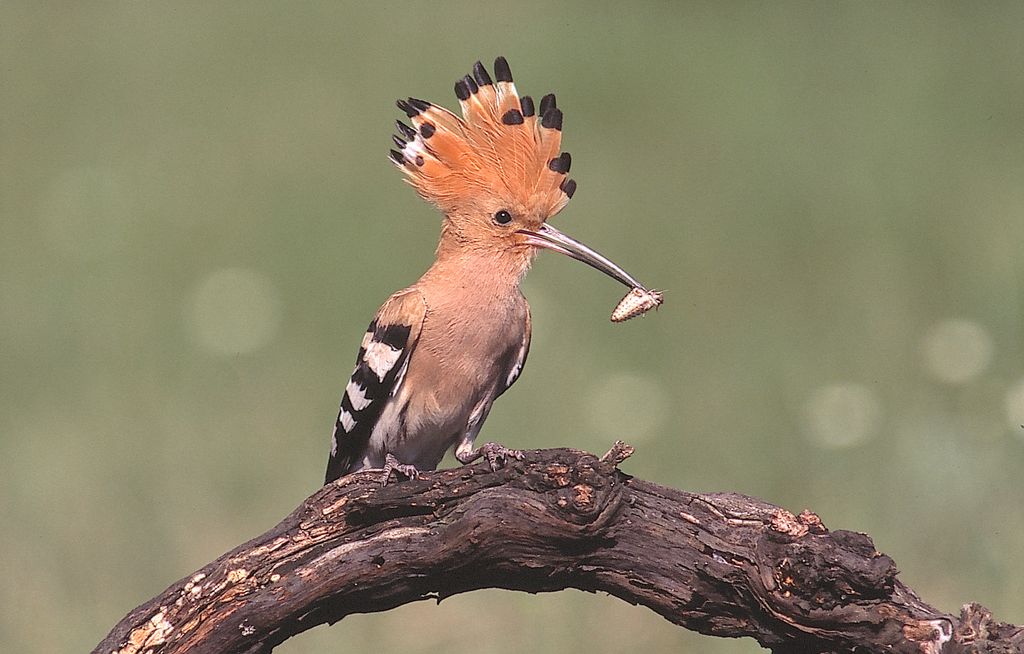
column 496, row 172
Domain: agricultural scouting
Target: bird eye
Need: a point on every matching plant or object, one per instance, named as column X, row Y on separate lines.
column 503, row 217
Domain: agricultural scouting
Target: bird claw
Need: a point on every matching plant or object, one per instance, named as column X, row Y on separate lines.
column 391, row 464
column 497, row 454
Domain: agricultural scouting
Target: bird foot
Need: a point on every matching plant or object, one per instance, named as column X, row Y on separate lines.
column 391, row 464
column 497, row 455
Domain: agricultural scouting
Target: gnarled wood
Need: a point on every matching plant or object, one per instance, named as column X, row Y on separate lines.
column 722, row 564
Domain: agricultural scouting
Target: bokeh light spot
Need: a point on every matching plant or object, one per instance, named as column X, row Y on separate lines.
column 626, row 406
column 841, row 415
column 234, row 311
column 957, row 351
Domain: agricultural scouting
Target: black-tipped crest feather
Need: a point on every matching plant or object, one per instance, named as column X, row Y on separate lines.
column 526, row 103
column 483, row 78
column 552, row 118
column 501, row 70
column 449, row 158
column 408, row 132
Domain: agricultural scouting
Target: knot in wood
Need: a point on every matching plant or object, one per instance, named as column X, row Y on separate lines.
column 974, row 621
column 583, row 492
column 812, row 522
column 836, row 570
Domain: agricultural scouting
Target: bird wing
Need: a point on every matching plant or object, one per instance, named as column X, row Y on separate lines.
column 517, row 361
column 378, row 375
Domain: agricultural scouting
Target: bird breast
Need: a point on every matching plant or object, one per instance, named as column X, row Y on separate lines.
column 459, row 362
column 469, row 345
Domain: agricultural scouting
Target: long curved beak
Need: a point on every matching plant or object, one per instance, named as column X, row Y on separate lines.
column 550, row 238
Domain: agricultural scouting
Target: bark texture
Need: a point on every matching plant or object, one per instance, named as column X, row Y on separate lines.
column 721, row 564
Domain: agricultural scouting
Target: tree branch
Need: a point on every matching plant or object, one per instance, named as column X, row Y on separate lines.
column 722, row 564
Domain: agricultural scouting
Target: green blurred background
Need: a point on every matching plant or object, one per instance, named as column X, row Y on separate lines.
column 199, row 219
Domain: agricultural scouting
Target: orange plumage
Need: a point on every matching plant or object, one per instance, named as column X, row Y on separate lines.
column 500, row 146
column 438, row 353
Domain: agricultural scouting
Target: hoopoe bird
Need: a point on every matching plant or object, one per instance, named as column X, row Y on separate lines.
column 438, row 353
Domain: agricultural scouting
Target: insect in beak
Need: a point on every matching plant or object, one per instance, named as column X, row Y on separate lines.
column 637, row 302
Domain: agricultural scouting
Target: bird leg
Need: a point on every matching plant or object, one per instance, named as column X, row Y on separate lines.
column 495, row 454
column 391, row 464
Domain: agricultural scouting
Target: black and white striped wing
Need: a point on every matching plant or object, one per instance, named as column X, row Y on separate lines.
column 380, row 369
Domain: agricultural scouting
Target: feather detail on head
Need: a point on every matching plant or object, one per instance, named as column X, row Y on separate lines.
column 501, row 143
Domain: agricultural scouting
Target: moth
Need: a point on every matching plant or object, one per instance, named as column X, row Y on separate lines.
column 637, row 302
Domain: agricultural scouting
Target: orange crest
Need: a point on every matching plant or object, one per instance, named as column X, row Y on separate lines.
column 501, row 145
